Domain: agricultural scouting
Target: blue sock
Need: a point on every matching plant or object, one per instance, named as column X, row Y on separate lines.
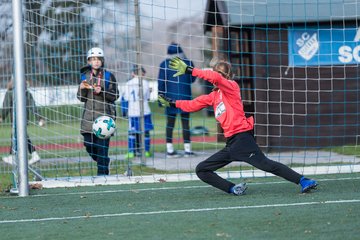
column 147, row 144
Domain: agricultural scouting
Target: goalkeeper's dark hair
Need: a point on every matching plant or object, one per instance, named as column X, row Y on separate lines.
column 224, row 68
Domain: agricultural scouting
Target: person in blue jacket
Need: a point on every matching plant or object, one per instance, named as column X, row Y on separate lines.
column 176, row 88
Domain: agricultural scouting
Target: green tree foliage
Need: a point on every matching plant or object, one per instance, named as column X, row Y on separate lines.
column 57, row 36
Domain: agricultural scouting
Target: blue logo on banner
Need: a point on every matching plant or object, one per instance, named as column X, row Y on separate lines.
column 325, row 46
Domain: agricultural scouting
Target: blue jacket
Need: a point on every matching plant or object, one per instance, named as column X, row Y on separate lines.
column 176, row 88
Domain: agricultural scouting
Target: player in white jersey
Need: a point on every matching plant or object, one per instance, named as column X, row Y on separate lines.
column 132, row 96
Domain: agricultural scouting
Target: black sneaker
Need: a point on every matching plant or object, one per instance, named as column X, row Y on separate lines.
column 189, row 154
column 173, row 154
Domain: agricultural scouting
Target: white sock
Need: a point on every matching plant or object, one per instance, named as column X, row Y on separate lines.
column 169, row 147
column 187, row 147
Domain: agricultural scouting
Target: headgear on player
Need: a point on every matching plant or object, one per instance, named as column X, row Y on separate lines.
column 96, row 52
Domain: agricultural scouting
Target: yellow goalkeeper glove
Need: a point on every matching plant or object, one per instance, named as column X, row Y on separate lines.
column 166, row 102
column 180, row 66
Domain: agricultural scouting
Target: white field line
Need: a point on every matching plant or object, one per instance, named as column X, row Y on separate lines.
column 177, row 211
column 166, row 188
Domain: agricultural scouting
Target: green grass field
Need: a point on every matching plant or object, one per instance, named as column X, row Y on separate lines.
column 271, row 209
column 63, row 125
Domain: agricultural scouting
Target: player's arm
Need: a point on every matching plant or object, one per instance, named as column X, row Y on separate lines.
column 7, row 105
column 187, row 105
column 82, row 93
column 34, row 108
column 83, row 88
column 84, row 85
column 226, row 85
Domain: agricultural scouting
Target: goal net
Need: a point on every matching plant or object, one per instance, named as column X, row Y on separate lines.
column 296, row 63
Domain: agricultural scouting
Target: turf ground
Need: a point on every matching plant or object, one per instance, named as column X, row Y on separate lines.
column 271, row 209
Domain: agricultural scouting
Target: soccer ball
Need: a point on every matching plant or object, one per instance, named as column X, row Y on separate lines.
column 103, row 127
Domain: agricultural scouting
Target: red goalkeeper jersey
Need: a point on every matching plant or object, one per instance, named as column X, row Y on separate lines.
column 226, row 101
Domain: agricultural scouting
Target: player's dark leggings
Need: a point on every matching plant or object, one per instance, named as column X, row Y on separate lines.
column 137, row 137
column 171, row 118
column 98, row 150
column 241, row 147
column 30, row 146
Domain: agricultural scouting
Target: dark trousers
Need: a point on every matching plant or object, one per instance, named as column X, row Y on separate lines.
column 171, row 118
column 243, row 148
column 138, row 141
column 98, row 149
column 30, row 146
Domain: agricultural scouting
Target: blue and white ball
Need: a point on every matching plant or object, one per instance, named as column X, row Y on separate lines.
column 104, row 127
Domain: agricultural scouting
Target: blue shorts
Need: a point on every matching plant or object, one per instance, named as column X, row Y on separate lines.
column 134, row 124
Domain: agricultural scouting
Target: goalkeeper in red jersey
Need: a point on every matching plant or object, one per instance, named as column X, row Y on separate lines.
column 240, row 142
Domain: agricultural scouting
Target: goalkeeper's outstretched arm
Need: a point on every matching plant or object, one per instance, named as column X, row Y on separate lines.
column 186, row 105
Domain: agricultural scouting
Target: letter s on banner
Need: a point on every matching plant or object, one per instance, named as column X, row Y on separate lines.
column 345, row 54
